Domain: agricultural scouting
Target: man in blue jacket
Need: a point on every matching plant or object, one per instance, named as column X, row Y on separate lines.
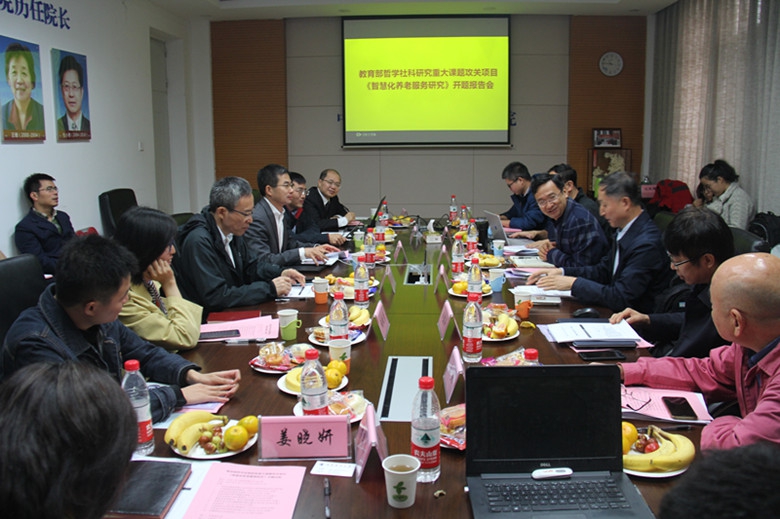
column 524, row 214
column 44, row 230
column 76, row 320
column 636, row 268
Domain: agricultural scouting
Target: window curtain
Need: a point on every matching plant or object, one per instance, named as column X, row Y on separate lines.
column 716, row 93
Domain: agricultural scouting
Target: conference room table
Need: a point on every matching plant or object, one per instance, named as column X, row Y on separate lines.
column 413, row 312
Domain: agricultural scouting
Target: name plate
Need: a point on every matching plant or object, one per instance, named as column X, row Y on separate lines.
column 304, row 437
column 452, row 372
column 381, row 318
column 445, row 317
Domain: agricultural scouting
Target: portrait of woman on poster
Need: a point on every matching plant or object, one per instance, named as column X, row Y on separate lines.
column 22, row 113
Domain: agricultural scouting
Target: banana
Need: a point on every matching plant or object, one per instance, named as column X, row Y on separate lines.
column 511, row 327
column 187, row 419
column 675, row 452
column 363, row 317
column 354, row 312
column 190, row 436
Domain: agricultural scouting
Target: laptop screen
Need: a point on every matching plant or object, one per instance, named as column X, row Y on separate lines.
column 519, row 419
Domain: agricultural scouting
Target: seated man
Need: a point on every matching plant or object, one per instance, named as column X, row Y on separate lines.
column 524, row 213
column 697, row 241
column 745, row 300
column 80, row 323
column 44, row 230
column 570, row 189
column 323, row 206
column 634, row 272
column 293, row 212
column 573, row 237
column 214, row 266
column 53, row 460
column 268, row 235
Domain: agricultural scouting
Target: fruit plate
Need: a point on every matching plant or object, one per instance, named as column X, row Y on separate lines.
column 356, row 339
column 465, row 294
column 198, row 453
column 655, row 475
column 298, row 411
column 284, row 389
column 254, row 366
column 324, row 323
column 485, row 338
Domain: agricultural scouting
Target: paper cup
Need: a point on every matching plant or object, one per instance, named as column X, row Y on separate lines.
column 357, row 238
column 401, row 479
column 341, row 349
column 523, row 302
column 498, row 248
column 320, row 287
column 289, row 323
column 496, row 273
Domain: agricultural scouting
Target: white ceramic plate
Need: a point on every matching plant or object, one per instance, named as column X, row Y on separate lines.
column 360, row 338
column 465, row 294
column 269, row 371
column 298, row 411
column 197, row 452
column 322, row 322
column 655, row 475
column 485, row 338
column 284, row 389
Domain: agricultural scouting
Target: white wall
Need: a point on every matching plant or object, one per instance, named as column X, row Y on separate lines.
column 114, row 35
column 422, row 180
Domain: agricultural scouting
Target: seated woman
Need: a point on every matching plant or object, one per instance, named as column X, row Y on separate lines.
column 171, row 321
column 729, row 200
column 69, row 434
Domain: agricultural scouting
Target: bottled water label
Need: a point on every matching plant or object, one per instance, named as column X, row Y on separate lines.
column 315, row 404
column 145, row 429
column 472, row 345
column 425, row 447
column 339, row 330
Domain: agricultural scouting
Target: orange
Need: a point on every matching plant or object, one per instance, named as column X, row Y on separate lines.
column 249, row 423
column 626, row 445
column 629, row 432
column 333, row 377
column 338, row 365
column 235, row 437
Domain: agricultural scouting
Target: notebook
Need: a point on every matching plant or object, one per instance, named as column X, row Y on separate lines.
column 149, row 490
column 494, row 221
column 522, row 419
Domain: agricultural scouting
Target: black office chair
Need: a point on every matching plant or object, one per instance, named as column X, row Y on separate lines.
column 112, row 204
column 746, row 241
column 662, row 219
column 21, row 283
column 182, row 218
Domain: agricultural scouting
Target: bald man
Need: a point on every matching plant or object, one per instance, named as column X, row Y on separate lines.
column 745, row 295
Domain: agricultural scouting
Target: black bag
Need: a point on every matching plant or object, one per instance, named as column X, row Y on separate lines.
column 767, row 226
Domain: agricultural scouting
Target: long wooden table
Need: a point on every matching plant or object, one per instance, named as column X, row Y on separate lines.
column 413, row 312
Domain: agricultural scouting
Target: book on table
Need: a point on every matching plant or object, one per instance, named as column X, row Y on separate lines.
column 149, row 490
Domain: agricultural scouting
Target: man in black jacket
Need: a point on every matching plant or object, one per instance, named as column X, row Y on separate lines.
column 322, row 205
column 214, row 266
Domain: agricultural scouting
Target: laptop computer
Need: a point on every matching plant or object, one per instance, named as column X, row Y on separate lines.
column 494, row 221
column 520, row 420
column 372, row 221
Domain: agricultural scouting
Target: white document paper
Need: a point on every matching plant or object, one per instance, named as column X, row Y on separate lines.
column 538, row 291
column 573, row 331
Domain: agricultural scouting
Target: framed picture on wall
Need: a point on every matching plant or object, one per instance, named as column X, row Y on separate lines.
column 607, row 138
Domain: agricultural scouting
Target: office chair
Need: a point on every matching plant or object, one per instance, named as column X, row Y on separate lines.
column 182, row 218
column 662, row 219
column 21, row 283
column 112, row 204
column 746, row 241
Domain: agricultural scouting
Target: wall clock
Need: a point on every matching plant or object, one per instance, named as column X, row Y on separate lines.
column 611, row 64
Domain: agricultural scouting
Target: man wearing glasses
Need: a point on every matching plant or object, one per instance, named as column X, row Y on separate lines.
column 214, row 266
column 72, row 88
column 294, row 213
column 573, row 236
column 44, row 230
column 323, row 205
column 269, row 235
column 525, row 213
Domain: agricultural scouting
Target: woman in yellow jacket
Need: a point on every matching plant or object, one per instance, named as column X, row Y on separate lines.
column 169, row 321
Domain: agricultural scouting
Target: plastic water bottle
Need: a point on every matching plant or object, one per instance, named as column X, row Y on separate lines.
column 475, row 279
column 361, row 283
column 135, row 386
column 379, row 230
column 531, row 357
column 369, row 247
column 453, row 209
column 472, row 236
column 458, row 257
column 339, row 317
column 425, row 431
column 463, row 222
column 385, row 211
column 472, row 330
column 314, row 386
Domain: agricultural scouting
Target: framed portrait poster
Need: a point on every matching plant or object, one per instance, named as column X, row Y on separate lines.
column 607, row 138
column 20, row 94
column 71, row 95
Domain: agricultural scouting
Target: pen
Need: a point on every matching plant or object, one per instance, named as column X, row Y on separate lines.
column 327, row 498
column 244, row 341
column 586, row 331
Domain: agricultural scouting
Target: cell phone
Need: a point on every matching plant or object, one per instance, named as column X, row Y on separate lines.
column 594, row 356
column 679, row 408
column 603, row 344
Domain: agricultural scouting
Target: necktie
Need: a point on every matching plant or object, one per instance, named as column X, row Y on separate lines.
column 156, row 298
column 74, row 126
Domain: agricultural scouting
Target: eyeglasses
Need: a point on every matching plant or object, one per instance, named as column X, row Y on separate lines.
column 245, row 214
column 676, row 264
column 332, row 182
column 68, row 87
column 300, row 190
column 509, row 185
column 50, row 189
column 544, row 202
column 633, row 400
column 286, row 185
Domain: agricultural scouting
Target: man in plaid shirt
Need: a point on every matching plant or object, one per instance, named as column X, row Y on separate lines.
column 573, row 236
